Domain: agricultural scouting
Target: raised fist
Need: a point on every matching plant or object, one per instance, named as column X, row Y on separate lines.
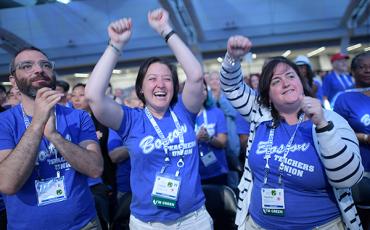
column 238, row 46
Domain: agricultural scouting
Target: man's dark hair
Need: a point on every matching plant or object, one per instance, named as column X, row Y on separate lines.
column 79, row 85
column 12, row 63
column 63, row 84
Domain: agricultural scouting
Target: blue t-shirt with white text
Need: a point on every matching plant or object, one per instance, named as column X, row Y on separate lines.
column 355, row 108
column 309, row 198
column 148, row 158
column 78, row 209
column 216, row 123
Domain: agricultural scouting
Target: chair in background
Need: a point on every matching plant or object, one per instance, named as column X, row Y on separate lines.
column 221, row 205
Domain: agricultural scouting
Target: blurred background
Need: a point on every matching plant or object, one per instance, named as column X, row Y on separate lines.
column 74, row 35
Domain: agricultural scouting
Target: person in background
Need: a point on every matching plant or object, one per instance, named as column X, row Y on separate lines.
column 211, row 131
column 253, row 81
column 13, row 97
column 305, row 69
column 166, row 189
column 2, row 97
column 46, row 153
column 101, row 187
column 301, row 160
column 63, row 87
column 338, row 79
column 243, row 128
column 354, row 106
column 220, row 100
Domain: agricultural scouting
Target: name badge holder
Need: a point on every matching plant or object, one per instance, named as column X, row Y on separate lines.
column 273, row 199
column 50, row 190
column 166, row 186
column 209, row 158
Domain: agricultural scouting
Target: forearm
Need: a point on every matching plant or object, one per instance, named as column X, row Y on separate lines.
column 240, row 95
column 119, row 154
column 218, row 141
column 186, row 58
column 105, row 109
column 340, row 155
column 18, row 165
column 87, row 162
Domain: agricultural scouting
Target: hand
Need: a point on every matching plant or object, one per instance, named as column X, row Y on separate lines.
column 45, row 101
column 203, row 135
column 238, row 46
column 120, row 32
column 313, row 110
column 50, row 128
column 159, row 20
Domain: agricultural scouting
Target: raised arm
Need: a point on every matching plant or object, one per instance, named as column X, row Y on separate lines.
column 241, row 96
column 105, row 109
column 159, row 21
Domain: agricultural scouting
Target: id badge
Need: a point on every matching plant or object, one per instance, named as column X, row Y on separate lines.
column 165, row 190
column 209, row 159
column 273, row 201
column 50, row 191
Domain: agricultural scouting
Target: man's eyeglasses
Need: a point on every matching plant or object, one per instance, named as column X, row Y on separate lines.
column 27, row 66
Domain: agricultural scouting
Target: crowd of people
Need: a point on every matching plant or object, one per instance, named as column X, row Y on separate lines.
column 70, row 161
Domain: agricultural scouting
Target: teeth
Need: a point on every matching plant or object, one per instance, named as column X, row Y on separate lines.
column 160, row 94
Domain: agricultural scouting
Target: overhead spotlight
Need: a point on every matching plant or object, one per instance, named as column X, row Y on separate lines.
column 220, row 59
column 83, row 75
column 349, row 48
column 64, row 1
column 316, row 51
column 286, row 53
column 117, row 71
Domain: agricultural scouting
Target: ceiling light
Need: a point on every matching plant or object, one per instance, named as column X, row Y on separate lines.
column 349, row 48
column 254, row 56
column 220, row 59
column 367, row 49
column 286, row 53
column 316, row 51
column 81, row 75
column 117, row 71
column 64, row 1
column 6, row 83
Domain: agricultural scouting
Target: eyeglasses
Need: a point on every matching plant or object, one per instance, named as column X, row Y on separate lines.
column 27, row 66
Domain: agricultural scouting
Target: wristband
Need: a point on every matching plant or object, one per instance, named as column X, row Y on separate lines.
column 172, row 32
column 326, row 128
column 230, row 60
column 116, row 50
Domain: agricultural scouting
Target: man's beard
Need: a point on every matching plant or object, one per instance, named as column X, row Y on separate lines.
column 25, row 85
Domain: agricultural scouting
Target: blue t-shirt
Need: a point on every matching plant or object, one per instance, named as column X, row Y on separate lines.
column 216, row 123
column 334, row 83
column 319, row 91
column 147, row 158
column 355, row 108
column 22, row 208
column 242, row 125
column 309, row 198
column 123, row 167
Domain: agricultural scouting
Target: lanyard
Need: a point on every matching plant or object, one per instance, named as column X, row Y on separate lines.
column 165, row 141
column 286, row 151
column 49, row 148
column 340, row 79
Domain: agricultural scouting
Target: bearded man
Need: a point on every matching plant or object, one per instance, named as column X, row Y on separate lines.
column 47, row 151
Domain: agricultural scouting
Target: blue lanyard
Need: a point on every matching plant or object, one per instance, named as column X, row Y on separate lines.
column 286, row 151
column 49, row 148
column 165, row 141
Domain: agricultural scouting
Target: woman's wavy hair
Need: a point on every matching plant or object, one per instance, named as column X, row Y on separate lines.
column 144, row 69
column 265, row 81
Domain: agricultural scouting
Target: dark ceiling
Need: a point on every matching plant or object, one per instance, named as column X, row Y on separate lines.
column 74, row 35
